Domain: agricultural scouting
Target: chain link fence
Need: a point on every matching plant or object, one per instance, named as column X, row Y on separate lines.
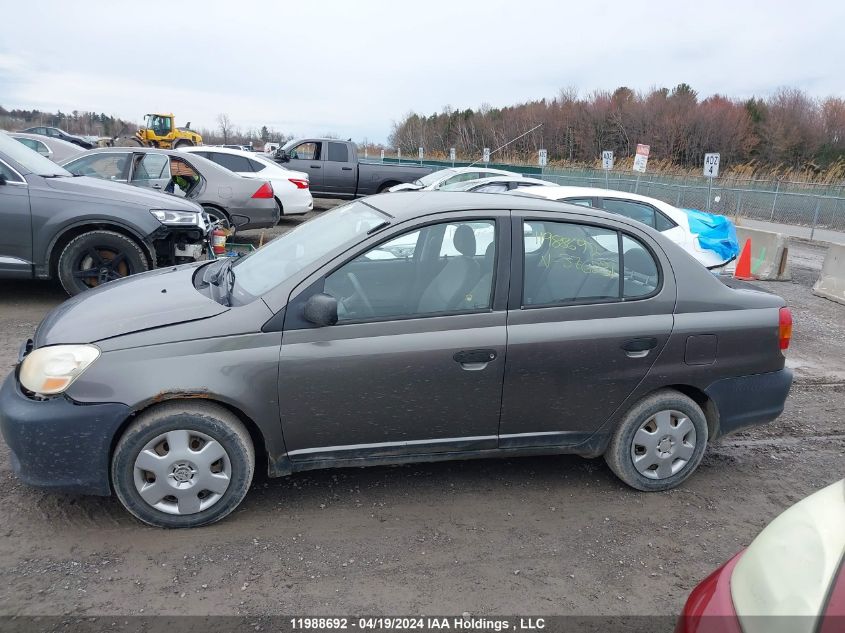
column 779, row 201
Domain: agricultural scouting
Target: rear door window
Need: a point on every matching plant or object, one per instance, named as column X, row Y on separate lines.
column 571, row 263
column 338, row 153
column 232, row 162
column 634, row 210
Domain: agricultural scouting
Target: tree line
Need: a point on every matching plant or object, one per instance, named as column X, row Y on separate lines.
column 789, row 128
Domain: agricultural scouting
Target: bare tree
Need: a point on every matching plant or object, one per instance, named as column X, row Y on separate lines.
column 225, row 125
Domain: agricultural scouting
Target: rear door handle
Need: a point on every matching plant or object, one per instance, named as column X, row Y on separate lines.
column 474, row 359
column 639, row 347
column 346, row 168
column 315, row 166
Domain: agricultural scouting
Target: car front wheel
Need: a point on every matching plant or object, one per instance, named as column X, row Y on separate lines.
column 659, row 443
column 95, row 257
column 183, row 465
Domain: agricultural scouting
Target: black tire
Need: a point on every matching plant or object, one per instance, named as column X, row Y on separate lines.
column 621, row 452
column 206, row 418
column 280, row 208
column 218, row 214
column 93, row 258
column 386, row 186
column 182, row 143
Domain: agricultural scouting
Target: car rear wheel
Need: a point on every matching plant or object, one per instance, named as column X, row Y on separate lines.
column 659, row 443
column 182, row 143
column 95, row 257
column 216, row 215
column 183, row 465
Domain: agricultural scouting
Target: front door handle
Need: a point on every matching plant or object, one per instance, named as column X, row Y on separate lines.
column 474, row 359
column 346, row 168
column 639, row 347
column 315, row 166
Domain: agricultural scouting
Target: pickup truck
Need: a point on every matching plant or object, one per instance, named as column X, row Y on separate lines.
column 335, row 170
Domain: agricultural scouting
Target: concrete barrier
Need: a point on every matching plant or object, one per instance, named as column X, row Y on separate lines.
column 769, row 254
column 831, row 283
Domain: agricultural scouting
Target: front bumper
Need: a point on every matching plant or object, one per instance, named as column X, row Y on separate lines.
column 57, row 443
column 747, row 400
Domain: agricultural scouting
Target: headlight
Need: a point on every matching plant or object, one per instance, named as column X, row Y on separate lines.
column 176, row 218
column 51, row 370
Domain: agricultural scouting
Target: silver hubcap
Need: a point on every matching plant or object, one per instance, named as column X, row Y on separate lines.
column 182, row 472
column 663, row 444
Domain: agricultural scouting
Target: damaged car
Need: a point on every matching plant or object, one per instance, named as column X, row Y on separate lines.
column 403, row 327
column 84, row 231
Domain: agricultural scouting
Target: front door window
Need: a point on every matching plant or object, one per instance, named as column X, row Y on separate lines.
column 444, row 268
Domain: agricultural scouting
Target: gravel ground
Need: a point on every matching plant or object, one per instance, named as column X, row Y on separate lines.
column 551, row 535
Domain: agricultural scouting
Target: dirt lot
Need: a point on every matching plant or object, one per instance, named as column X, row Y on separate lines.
column 556, row 535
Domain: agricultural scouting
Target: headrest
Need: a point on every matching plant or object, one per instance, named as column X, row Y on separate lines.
column 490, row 254
column 464, row 240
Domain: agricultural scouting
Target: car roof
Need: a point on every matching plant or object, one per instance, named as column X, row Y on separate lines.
column 204, row 163
column 406, row 205
column 192, row 149
column 565, row 191
column 45, row 139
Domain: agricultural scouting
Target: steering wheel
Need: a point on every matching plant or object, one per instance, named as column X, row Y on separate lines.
column 359, row 290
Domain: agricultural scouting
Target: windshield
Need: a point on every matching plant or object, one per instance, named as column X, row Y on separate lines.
column 299, row 248
column 434, row 176
column 29, row 159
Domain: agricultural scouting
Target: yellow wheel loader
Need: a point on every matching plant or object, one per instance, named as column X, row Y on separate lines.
column 160, row 131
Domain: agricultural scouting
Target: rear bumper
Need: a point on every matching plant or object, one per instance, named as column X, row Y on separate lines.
column 749, row 400
column 262, row 214
column 57, row 443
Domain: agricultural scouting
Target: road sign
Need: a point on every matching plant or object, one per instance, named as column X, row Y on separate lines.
column 641, row 159
column 486, row 155
column 711, row 165
column 452, row 154
column 543, row 158
column 421, row 153
column 382, row 155
column 607, row 160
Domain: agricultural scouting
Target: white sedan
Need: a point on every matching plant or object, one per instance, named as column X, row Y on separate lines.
column 444, row 177
column 671, row 221
column 291, row 188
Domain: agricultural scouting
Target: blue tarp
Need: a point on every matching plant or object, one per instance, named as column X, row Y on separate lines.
column 715, row 233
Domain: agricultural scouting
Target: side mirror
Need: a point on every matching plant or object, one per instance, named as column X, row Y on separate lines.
column 282, row 156
column 321, row 310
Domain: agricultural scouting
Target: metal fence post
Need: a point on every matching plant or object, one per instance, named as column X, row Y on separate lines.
column 815, row 217
column 738, row 206
column 775, row 201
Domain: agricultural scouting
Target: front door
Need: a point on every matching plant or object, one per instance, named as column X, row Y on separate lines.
column 308, row 157
column 590, row 310
column 16, row 220
column 415, row 363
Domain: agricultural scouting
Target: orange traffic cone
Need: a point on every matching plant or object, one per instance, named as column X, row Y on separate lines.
column 743, row 264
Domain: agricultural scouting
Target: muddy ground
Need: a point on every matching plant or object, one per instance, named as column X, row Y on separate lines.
column 554, row 535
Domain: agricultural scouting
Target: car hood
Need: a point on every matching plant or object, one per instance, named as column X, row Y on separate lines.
column 141, row 302
column 120, row 192
column 405, row 186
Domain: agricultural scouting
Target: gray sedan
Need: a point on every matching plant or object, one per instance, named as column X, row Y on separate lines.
column 245, row 203
column 55, row 149
column 404, row 327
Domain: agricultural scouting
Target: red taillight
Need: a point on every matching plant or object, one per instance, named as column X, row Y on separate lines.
column 785, row 327
column 264, row 191
column 300, row 184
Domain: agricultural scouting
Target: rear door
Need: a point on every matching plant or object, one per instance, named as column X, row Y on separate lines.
column 150, row 169
column 338, row 169
column 16, row 220
column 581, row 336
column 308, row 157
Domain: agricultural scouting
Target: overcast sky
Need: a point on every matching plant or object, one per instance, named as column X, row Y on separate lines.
column 353, row 67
